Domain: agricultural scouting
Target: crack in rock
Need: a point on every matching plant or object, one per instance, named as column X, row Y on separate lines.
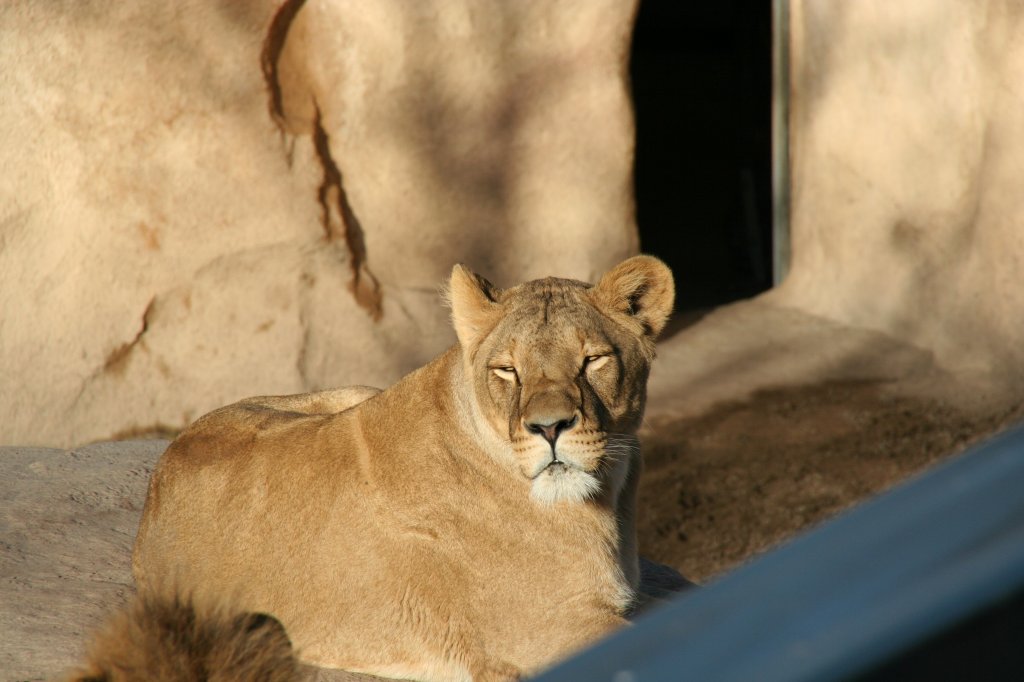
column 117, row 360
column 339, row 220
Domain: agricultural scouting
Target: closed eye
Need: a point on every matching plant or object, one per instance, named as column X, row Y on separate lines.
column 592, row 362
column 507, row 373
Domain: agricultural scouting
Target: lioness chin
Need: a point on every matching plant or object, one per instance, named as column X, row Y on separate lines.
column 473, row 521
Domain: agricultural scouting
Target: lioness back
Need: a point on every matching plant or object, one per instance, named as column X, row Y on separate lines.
column 331, row 401
column 475, row 520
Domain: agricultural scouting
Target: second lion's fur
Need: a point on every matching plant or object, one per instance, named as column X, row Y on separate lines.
column 173, row 640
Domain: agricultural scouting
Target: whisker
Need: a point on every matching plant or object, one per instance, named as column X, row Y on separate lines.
column 621, row 445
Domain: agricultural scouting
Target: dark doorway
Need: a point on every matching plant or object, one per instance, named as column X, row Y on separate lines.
column 701, row 78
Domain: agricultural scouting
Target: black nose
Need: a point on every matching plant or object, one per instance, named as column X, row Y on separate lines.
column 552, row 430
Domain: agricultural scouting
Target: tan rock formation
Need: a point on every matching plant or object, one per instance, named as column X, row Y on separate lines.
column 168, row 243
column 907, row 153
column 908, row 162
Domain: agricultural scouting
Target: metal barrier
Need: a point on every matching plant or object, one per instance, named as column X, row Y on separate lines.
column 848, row 596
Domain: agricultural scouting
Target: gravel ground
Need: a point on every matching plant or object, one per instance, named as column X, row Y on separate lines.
column 724, row 486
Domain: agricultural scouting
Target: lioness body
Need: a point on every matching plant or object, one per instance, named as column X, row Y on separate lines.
column 416, row 534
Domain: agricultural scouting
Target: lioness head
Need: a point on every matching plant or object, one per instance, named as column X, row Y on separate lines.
column 559, row 369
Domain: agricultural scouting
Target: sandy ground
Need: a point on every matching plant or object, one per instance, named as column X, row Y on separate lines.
column 724, row 486
column 764, row 421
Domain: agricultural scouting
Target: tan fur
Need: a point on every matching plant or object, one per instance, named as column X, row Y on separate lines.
column 170, row 640
column 426, row 532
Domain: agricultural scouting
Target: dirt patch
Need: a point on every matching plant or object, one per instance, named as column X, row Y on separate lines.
column 727, row 485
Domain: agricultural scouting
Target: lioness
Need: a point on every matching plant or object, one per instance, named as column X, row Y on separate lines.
column 475, row 520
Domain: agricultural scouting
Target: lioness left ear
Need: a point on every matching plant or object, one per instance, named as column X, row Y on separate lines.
column 642, row 288
column 474, row 303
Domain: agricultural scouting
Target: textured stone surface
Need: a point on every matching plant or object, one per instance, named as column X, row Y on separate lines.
column 908, row 159
column 209, row 200
column 907, row 219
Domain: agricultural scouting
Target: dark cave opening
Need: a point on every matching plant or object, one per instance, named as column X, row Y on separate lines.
column 701, row 80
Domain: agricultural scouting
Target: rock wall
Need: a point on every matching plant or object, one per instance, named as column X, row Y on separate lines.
column 208, row 200
column 907, row 218
column 907, row 150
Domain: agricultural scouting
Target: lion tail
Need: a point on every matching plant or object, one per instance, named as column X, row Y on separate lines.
column 172, row 640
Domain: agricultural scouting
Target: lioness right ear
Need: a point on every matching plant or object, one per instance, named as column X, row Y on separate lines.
column 642, row 288
column 474, row 303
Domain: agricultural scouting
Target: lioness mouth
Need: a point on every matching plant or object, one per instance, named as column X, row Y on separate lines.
column 557, row 466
